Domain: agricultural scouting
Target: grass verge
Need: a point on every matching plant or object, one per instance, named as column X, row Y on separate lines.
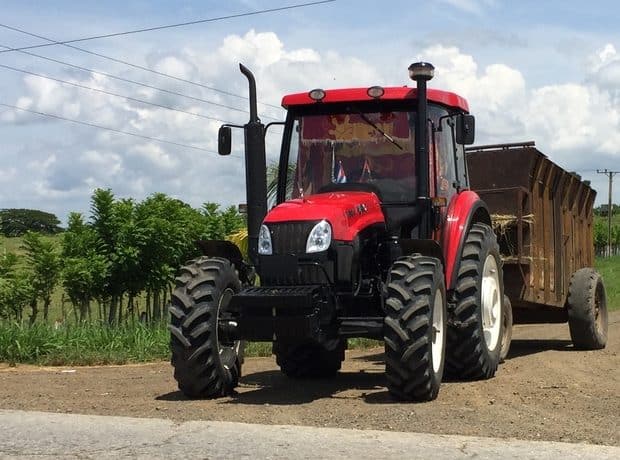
column 97, row 344
column 609, row 268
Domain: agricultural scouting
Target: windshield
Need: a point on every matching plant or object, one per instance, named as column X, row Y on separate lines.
column 374, row 148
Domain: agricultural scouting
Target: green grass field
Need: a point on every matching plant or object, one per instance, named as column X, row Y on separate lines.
column 609, row 268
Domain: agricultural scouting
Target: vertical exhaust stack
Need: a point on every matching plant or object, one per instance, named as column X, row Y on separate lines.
column 421, row 72
column 255, row 169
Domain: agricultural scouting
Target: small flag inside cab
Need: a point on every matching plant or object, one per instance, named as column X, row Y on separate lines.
column 366, row 174
column 341, row 177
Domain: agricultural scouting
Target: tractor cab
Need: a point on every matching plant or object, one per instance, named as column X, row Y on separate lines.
column 364, row 140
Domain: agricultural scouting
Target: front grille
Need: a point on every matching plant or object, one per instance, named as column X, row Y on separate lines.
column 303, row 274
column 290, row 237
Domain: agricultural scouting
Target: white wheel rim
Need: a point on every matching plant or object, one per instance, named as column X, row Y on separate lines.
column 438, row 331
column 491, row 302
column 225, row 349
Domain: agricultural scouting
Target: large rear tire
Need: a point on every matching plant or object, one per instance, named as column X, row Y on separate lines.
column 415, row 328
column 587, row 310
column 475, row 335
column 203, row 365
column 310, row 359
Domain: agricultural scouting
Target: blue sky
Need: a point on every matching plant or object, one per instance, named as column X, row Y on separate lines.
column 545, row 71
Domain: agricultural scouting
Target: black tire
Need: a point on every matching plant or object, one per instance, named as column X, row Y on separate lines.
column 507, row 334
column 587, row 310
column 204, row 367
column 470, row 355
column 413, row 371
column 310, row 359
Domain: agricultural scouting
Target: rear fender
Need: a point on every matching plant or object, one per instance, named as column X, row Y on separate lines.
column 465, row 209
column 226, row 250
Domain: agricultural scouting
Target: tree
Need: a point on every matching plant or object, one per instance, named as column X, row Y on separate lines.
column 15, row 290
column 170, row 231
column 43, row 270
column 85, row 270
column 16, row 222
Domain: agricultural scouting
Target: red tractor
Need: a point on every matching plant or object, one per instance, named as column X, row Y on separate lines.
column 374, row 234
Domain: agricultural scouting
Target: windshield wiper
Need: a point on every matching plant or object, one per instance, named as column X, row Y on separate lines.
column 383, row 133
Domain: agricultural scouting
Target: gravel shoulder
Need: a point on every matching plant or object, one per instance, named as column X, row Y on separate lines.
column 545, row 390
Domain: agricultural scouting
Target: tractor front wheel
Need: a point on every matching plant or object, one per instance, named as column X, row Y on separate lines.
column 204, row 365
column 415, row 328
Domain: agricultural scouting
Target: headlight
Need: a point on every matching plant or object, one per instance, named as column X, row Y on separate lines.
column 264, row 241
column 320, row 237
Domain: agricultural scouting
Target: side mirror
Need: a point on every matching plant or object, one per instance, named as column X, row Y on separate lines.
column 224, row 140
column 465, row 129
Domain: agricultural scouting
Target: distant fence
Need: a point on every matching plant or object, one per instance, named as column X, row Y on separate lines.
column 602, row 251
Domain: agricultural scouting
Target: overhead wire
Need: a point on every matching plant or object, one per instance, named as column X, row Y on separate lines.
column 145, row 85
column 109, row 93
column 108, row 128
column 66, row 43
column 129, row 64
column 169, row 26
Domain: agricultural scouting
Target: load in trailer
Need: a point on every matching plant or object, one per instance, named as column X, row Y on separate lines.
column 375, row 233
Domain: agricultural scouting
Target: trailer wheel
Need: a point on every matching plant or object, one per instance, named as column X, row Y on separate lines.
column 204, row 366
column 475, row 335
column 415, row 328
column 507, row 324
column 310, row 359
column 587, row 310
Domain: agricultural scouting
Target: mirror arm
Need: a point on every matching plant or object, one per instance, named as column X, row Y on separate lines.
column 228, row 125
column 273, row 123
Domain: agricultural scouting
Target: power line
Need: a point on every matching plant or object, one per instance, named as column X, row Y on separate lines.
column 168, row 26
column 120, row 61
column 134, row 82
column 129, row 64
column 109, row 93
column 107, row 128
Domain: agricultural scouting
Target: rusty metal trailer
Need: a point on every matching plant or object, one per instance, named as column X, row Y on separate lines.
column 543, row 218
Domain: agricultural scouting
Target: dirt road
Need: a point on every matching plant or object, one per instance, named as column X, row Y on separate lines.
column 546, row 390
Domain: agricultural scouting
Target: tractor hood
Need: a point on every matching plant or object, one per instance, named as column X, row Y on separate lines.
column 347, row 212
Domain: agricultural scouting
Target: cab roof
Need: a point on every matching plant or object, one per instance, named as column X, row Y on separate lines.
column 445, row 98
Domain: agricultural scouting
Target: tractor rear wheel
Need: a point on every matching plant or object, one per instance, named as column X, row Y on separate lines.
column 204, row 365
column 415, row 328
column 587, row 310
column 475, row 335
column 310, row 359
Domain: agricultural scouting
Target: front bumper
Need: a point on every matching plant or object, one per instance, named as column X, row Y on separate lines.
column 281, row 312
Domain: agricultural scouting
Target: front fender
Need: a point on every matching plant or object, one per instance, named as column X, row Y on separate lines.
column 465, row 209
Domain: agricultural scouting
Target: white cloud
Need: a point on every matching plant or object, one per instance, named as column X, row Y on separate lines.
column 568, row 121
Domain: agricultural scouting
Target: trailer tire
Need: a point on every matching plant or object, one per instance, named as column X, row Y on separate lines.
column 587, row 310
column 415, row 328
column 310, row 359
column 204, row 367
column 507, row 335
column 475, row 335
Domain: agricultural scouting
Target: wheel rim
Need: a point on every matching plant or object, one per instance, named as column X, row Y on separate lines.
column 491, row 302
column 438, row 331
column 228, row 351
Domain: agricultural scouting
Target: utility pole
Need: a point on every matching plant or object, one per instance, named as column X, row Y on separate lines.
column 610, row 209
